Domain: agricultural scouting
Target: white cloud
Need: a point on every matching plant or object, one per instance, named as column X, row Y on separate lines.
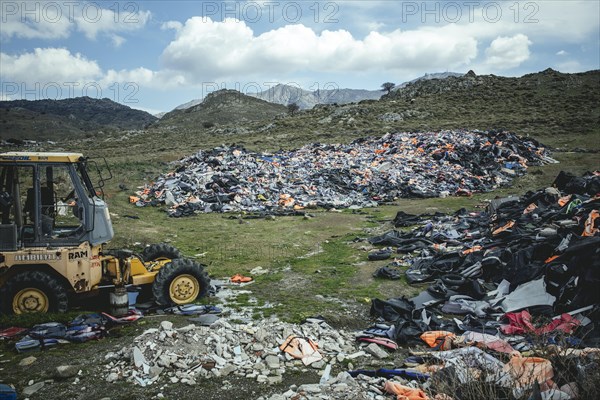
column 508, row 52
column 53, row 20
column 48, row 65
column 144, row 77
column 175, row 25
column 33, row 21
column 204, row 49
column 561, row 53
column 59, row 68
column 569, row 66
column 109, row 22
column 569, row 21
column 117, row 40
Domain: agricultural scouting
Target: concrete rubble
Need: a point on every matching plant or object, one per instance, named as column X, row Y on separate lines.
column 192, row 353
column 363, row 173
column 32, row 388
column 66, row 371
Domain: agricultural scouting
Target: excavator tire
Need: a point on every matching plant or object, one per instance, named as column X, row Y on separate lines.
column 180, row 281
column 160, row 251
column 33, row 291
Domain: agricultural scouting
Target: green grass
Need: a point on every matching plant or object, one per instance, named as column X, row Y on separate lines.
column 29, row 320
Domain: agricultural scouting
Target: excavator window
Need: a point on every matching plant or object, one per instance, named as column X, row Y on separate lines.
column 61, row 206
column 40, row 205
column 16, row 182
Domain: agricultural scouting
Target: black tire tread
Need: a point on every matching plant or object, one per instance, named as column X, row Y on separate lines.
column 159, row 250
column 56, row 292
column 164, row 277
column 453, row 279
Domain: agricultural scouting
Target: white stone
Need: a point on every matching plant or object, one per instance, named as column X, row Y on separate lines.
column 275, row 379
column 138, row 357
column 272, row 362
column 310, row 388
column 227, row 370
column 376, row 351
column 155, row 371
column 27, row 361
column 164, row 361
column 258, row 347
column 374, row 389
column 340, row 387
column 355, row 355
column 66, row 371
column 219, row 360
column 31, row 389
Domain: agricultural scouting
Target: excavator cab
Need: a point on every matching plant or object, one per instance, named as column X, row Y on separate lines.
column 54, row 225
column 48, row 200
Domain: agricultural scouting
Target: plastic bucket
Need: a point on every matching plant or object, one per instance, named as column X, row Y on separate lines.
column 132, row 295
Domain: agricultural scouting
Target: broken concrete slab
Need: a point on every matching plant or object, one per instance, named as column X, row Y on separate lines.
column 31, row 389
column 66, row 371
column 27, row 361
column 376, row 351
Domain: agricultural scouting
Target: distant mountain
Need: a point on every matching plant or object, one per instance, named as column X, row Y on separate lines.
column 52, row 119
column 221, row 107
column 286, row 94
column 189, row 104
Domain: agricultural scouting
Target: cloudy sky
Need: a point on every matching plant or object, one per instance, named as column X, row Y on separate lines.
column 156, row 54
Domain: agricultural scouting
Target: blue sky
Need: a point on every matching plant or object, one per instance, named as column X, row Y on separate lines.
column 156, row 54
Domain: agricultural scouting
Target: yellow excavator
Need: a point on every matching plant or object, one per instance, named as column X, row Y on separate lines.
column 54, row 230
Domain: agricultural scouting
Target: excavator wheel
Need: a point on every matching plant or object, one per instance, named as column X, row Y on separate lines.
column 33, row 291
column 180, row 281
column 160, row 251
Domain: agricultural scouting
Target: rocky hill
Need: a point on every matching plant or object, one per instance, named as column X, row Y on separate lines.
column 222, row 107
column 55, row 119
column 428, row 77
column 547, row 103
column 559, row 102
